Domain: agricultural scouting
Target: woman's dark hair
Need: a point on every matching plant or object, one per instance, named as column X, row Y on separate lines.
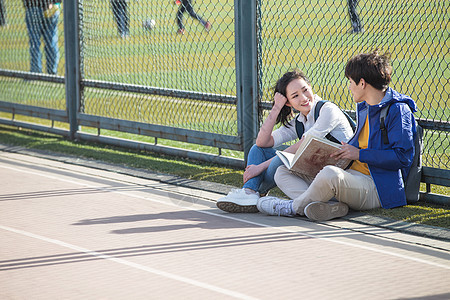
column 375, row 68
column 280, row 87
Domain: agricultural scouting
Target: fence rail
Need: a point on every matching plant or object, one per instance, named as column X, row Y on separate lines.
column 212, row 85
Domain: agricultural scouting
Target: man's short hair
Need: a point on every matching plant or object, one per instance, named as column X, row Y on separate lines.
column 375, row 68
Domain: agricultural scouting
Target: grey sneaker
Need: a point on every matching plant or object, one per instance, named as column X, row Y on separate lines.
column 275, row 207
column 323, row 211
column 239, row 201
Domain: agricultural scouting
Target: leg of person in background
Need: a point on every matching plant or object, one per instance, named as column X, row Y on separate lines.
column 51, row 47
column 180, row 13
column 354, row 18
column 115, row 9
column 2, row 13
column 120, row 11
column 34, row 19
column 125, row 18
column 194, row 15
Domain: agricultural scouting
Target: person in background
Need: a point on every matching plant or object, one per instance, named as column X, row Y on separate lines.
column 375, row 179
column 186, row 5
column 292, row 91
column 41, row 17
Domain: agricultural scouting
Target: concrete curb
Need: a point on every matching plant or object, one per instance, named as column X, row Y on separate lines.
column 356, row 217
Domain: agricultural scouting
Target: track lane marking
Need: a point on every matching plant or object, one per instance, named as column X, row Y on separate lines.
column 242, row 220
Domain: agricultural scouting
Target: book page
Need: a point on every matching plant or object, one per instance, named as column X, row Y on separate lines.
column 286, row 157
column 302, row 146
column 316, row 155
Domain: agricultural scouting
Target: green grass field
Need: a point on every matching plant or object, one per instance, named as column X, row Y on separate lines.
column 311, row 35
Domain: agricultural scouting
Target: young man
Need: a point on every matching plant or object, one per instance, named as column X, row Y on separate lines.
column 375, row 179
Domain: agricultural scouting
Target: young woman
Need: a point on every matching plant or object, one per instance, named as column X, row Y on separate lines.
column 293, row 92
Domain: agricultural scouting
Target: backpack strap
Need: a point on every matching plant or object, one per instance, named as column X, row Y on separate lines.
column 300, row 128
column 383, row 113
column 349, row 119
column 318, row 107
column 411, row 180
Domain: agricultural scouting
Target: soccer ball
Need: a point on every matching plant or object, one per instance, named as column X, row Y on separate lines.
column 149, row 24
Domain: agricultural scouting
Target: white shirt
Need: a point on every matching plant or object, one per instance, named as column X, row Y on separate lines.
column 331, row 120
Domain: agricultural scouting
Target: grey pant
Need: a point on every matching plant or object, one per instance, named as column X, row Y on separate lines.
column 351, row 187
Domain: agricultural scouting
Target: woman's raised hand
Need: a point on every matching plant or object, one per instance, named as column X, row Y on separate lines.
column 279, row 99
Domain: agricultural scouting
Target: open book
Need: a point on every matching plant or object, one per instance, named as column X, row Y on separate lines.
column 312, row 155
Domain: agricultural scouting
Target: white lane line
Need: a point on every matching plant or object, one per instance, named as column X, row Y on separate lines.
column 419, row 260
column 131, row 264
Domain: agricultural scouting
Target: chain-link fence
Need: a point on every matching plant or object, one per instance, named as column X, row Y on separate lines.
column 138, row 64
column 140, row 43
column 31, row 42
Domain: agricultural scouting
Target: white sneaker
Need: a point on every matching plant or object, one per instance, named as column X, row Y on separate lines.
column 274, row 206
column 323, row 211
column 239, row 201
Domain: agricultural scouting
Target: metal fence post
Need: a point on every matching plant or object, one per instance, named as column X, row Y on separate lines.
column 246, row 72
column 72, row 76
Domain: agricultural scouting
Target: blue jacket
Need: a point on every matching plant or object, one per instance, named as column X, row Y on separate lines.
column 388, row 164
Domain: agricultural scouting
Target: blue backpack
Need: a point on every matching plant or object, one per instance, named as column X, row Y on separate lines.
column 412, row 179
column 300, row 128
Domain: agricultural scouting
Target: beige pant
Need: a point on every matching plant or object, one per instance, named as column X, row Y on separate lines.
column 351, row 187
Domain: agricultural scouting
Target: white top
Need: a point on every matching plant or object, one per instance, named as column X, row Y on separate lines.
column 331, row 120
